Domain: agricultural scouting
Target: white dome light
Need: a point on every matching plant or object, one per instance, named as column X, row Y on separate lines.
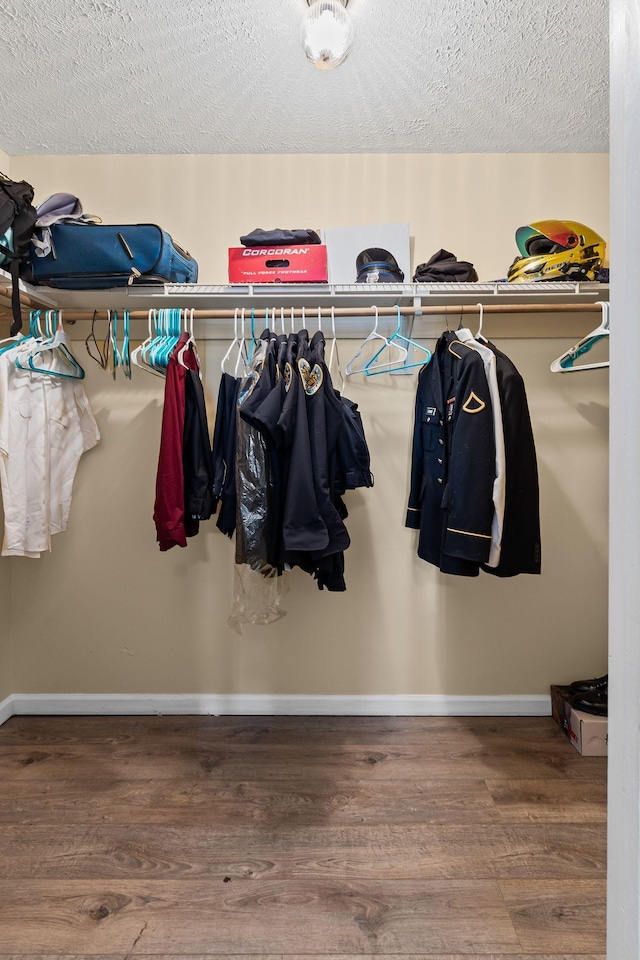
column 326, row 33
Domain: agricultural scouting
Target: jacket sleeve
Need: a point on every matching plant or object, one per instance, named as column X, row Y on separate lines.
column 414, row 509
column 224, row 455
column 469, row 493
column 168, row 511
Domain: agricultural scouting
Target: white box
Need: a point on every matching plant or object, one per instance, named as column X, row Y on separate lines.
column 588, row 733
column 345, row 243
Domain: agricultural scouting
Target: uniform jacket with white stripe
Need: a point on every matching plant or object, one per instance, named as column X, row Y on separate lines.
column 453, row 460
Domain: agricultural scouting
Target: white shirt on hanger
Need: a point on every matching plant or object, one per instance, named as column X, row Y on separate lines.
column 46, row 424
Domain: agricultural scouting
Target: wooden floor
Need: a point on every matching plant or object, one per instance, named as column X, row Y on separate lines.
column 299, row 837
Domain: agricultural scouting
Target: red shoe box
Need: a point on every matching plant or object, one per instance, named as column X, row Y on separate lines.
column 296, row 264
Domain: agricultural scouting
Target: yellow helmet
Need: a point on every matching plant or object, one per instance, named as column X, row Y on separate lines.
column 557, row 250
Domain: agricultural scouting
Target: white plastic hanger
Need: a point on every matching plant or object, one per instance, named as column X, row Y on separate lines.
column 137, row 356
column 242, row 359
column 333, row 351
column 233, row 342
column 565, row 362
column 467, row 332
column 478, row 335
column 397, row 339
column 353, row 367
column 190, row 342
column 57, row 346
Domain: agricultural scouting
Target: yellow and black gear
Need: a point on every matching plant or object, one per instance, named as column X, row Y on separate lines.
column 557, row 250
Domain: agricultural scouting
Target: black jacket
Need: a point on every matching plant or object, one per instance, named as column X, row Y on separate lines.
column 224, row 453
column 444, row 267
column 196, row 454
column 453, row 461
column 520, row 551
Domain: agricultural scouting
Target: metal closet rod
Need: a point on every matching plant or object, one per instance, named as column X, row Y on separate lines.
column 311, row 313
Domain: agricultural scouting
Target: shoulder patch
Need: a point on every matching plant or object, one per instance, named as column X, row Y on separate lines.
column 288, row 376
column 311, row 378
column 473, row 403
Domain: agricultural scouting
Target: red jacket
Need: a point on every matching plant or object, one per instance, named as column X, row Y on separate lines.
column 169, row 513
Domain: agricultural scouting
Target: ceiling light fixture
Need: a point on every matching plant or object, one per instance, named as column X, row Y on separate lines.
column 326, row 33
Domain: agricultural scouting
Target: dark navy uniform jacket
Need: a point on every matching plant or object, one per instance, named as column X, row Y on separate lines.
column 520, row 551
column 224, row 454
column 453, row 460
column 197, row 461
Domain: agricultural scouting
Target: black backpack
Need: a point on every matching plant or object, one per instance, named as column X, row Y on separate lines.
column 17, row 220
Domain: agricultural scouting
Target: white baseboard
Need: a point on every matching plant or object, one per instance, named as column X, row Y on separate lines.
column 411, row 705
column 6, row 709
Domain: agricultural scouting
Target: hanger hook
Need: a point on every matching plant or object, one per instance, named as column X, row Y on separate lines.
column 304, row 319
column 605, row 304
column 333, row 322
column 481, row 315
column 375, row 325
column 320, row 319
column 293, row 320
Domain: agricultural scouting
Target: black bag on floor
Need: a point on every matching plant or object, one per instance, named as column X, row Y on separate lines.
column 17, row 219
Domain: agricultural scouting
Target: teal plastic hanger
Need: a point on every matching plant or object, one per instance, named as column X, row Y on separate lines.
column 59, row 343
column 139, row 354
column 381, row 342
column 565, row 362
column 157, row 352
column 121, row 355
column 125, row 353
column 34, row 331
column 253, row 335
column 373, row 368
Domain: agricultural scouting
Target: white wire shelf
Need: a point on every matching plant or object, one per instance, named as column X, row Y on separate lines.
column 43, row 296
column 258, row 296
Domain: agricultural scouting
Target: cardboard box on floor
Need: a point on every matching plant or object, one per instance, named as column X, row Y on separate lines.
column 587, row 732
column 561, row 707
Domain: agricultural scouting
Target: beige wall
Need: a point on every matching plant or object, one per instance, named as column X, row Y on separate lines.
column 115, row 615
column 469, row 203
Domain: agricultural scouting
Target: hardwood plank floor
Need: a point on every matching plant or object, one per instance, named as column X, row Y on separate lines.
column 296, row 837
column 310, row 956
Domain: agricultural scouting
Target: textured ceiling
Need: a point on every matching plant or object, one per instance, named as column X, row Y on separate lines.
column 229, row 76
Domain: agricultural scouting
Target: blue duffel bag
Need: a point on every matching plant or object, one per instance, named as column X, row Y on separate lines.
column 90, row 256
